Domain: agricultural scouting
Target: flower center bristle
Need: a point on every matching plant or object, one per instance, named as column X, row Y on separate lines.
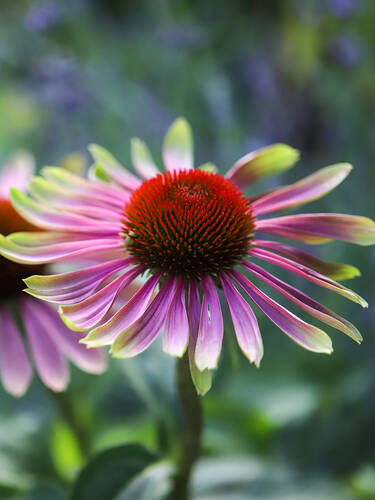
column 188, row 222
column 12, row 273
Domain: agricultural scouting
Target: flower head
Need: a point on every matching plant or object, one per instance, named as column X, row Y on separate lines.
column 189, row 232
column 31, row 331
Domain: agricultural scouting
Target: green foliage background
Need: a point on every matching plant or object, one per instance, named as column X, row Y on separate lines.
column 245, row 74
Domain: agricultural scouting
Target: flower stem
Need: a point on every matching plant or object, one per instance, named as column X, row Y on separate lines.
column 191, row 429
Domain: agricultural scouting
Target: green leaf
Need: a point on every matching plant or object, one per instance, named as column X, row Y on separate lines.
column 109, row 472
column 65, row 451
column 152, row 483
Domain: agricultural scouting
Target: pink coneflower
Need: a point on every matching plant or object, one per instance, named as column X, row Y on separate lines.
column 32, row 332
column 190, row 232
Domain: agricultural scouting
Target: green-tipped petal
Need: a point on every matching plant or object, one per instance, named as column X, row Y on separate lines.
column 178, row 146
column 267, row 161
column 142, row 159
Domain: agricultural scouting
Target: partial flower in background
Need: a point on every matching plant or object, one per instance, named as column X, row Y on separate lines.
column 31, row 332
column 190, row 232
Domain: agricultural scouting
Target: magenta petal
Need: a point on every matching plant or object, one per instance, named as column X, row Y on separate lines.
column 304, row 334
column 310, row 188
column 201, row 379
column 125, row 317
column 320, row 228
column 88, row 360
column 15, row 368
column 142, row 333
column 244, row 322
column 308, row 274
column 49, row 361
column 305, row 302
column 87, row 313
column 176, row 330
column 210, row 334
column 333, row 270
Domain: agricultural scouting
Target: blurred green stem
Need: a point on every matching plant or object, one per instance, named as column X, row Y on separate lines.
column 191, row 429
column 74, row 421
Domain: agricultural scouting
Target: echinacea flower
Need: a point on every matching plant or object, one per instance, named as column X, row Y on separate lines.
column 189, row 232
column 31, row 332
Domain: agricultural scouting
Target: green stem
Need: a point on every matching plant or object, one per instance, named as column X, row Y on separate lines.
column 191, row 429
column 75, row 423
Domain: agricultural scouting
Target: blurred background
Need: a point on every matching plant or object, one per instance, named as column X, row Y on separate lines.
column 245, row 73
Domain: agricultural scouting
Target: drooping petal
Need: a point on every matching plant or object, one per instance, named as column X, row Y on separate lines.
column 310, row 188
column 142, row 159
column 16, row 173
column 201, row 379
column 43, row 216
column 15, row 367
column 305, row 302
column 320, row 228
column 47, row 247
column 178, row 146
column 210, row 333
column 308, row 274
column 141, row 334
column 244, row 322
column 332, row 270
column 49, row 361
column 113, row 168
column 75, row 280
column 176, row 330
column 304, row 334
column 125, row 317
column 87, row 313
column 89, row 360
column 267, row 161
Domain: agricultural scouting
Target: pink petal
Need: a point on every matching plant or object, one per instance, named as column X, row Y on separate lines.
column 320, row 228
column 178, row 146
column 262, row 163
column 113, row 168
column 16, row 173
column 41, row 215
column 87, row 313
column 304, row 334
column 333, row 270
column 310, row 188
column 210, row 334
column 142, row 333
column 46, row 247
column 15, row 368
column 176, row 330
column 104, row 192
column 308, row 274
column 244, row 322
column 125, row 317
column 49, row 361
column 88, row 360
column 305, row 302
column 201, row 379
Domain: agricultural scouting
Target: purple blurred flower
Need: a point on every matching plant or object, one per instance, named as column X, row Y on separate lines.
column 58, row 82
column 261, row 78
column 343, row 8
column 43, row 16
column 347, row 49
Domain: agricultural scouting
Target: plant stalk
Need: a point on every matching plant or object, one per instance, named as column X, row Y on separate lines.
column 191, row 429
